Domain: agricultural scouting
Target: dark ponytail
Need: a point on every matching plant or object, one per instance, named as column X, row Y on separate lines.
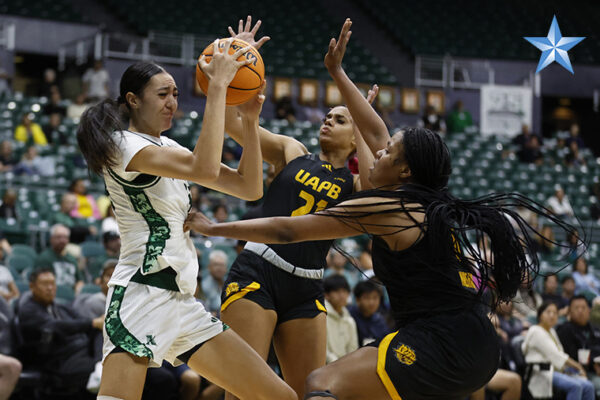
column 95, row 134
column 98, row 124
column 451, row 225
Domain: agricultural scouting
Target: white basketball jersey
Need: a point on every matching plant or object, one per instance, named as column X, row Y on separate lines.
column 150, row 211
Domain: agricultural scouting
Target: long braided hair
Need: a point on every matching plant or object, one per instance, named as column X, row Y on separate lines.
column 452, row 224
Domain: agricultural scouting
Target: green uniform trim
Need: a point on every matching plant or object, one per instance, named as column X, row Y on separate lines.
column 117, row 332
column 142, row 181
column 159, row 227
column 163, row 279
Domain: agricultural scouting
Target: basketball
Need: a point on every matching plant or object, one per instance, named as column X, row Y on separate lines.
column 247, row 81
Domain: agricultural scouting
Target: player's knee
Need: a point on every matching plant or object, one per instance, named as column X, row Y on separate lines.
column 318, row 380
column 190, row 379
column 515, row 382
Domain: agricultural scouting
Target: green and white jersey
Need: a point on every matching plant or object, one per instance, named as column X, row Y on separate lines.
column 150, row 211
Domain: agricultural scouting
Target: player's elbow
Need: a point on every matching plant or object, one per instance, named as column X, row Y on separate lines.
column 207, row 174
column 285, row 234
column 253, row 194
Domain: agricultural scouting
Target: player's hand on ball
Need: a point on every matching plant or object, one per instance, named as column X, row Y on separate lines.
column 247, row 35
column 372, row 94
column 337, row 49
column 223, row 66
column 197, row 222
column 253, row 107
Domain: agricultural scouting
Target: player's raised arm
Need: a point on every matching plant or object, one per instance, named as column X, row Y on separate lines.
column 276, row 149
column 369, row 123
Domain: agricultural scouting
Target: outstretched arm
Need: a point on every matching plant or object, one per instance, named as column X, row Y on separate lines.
column 277, row 150
column 364, row 154
column 319, row 226
column 371, row 126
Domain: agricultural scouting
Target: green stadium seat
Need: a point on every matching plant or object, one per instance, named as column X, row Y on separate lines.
column 20, row 262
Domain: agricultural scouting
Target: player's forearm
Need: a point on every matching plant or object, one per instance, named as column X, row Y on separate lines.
column 208, row 149
column 250, row 167
column 365, row 160
column 365, row 117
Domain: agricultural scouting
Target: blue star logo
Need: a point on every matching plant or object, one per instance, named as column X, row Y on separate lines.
column 554, row 47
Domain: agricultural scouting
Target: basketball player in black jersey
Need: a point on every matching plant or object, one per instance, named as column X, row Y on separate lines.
column 273, row 292
column 445, row 347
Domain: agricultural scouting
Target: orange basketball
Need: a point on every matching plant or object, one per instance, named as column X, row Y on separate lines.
column 247, row 81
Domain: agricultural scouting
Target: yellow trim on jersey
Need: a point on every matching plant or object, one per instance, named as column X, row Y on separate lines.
column 383, row 375
column 466, row 278
column 250, row 288
column 320, row 306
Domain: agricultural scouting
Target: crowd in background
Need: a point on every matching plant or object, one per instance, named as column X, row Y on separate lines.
column 550, row 332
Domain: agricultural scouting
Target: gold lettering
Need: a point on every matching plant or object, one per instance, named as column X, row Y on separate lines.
column 301, row 178
column 313, row 182
column 324, row 185
column 334, row 192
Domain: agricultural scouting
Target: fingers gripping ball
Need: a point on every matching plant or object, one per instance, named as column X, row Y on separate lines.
column 246, row 83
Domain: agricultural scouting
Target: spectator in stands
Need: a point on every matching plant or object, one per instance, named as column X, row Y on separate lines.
column 52, row 130
column 86, row 204
column 75, row 109
column 5, row 246
column 543, row 347
column 585, row 280
column 63, row 265
column 527, row 301
column 112, row 249
column 285, row 110
column 550, row 294
column 568, row 249
column 80, row 228
column 49, row 83
column 71, row 354
column 31, row 163
column 54, row 106
column 212, row 285
column 509, row 325
column 91, row 305
column 7, row 158
column 568, row 288
column 29, row 132
column 577, row 333
column 370, row 323
column 595, row 315
column 559, row 204
column 574, row 136
column 574, row 158
column 432, row 121
column 109, row 223
column 531, row 151
column 96, row 83
column 220, row 213
column 524, row 136
column 546, row 246
column 336, row 265
column 5, row 85
column 8, row 209
column 365, row 260
column 458, row 120
column 342, row 335
column 8, row 288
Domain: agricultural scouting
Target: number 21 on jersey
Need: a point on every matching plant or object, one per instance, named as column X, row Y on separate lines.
column 310, row 202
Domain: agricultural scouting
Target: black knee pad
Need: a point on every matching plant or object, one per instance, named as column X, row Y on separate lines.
column 317, row 393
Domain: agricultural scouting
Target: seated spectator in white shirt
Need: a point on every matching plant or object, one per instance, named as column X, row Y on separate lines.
column 96, row 82
column 552, row 368
column 559, row 204
column 342, row 335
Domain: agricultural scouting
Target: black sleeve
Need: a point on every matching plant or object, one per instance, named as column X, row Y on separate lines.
column 35, row 318
column 568, row 340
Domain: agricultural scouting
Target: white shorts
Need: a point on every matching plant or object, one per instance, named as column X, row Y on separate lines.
column 156, row 323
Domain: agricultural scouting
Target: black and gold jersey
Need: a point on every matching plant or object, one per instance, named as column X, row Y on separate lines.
column 306, row 185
